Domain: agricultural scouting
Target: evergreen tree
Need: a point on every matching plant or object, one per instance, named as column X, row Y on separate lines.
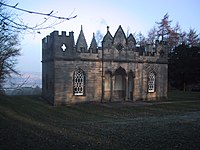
column 192, row 38
column 164, row 28
column 184, row 66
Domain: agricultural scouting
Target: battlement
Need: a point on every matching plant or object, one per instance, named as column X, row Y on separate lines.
column 57, row 35
column 120, row 47
column 63, row 34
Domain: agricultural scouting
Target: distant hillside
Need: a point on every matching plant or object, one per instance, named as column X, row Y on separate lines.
column 25, row 84
column 28, row 79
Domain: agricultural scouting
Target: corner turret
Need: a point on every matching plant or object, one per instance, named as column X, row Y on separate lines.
column 57, row 45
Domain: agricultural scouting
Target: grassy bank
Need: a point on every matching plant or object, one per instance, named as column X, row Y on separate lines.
column 28, row 122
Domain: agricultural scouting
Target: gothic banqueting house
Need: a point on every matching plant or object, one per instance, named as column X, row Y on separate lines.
column 119, row 70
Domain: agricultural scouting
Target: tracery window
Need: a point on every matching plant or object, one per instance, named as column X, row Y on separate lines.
column 119, row 47
column 79, row 82
column 151, row 83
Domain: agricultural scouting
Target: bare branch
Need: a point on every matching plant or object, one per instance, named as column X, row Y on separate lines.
column 8, row 23
column 38, row 13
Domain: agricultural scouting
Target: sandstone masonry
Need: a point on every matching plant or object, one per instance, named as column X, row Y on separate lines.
column 119, row 70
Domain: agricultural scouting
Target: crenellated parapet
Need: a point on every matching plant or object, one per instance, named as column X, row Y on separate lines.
column 58, row 45
column 114, row 48
column 122, row 48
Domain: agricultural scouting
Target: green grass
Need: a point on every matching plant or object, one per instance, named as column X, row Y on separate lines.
column 182, row 96
column 28, row 122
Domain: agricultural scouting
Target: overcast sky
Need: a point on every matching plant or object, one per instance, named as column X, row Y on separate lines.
column 135, row 16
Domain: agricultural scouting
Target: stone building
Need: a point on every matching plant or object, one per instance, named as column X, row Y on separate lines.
column 119, row 70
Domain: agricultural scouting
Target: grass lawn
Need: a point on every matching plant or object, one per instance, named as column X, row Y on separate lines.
column 28, row 122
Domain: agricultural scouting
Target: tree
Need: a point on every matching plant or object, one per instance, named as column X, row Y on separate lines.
column 16, row 23
column 152, row 36
column 9, row 47
column 184, row 66
column 9, row 50
column 192, row 38
column 164, row 28
column 140, row 39
column 182, row 38
column 167, row 33
column 174, row 37
column 183, row 51
column 10, row 27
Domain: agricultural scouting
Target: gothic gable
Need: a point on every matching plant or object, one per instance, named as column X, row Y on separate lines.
column 131, row 42
column 119, row 39
column 107, row 40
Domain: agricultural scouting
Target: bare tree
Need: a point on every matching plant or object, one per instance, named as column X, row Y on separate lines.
column 10, row 27
column 152, row 35
column 140, row 39
column 9, row 50
column 15, row 23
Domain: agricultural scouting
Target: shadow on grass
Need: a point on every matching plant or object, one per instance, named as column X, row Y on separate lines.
column 28, row 122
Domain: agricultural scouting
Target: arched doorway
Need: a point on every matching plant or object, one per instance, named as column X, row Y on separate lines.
column 120, row 84
column 130, row 85
column 108, row 85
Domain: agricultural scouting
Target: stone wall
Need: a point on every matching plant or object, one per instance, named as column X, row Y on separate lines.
column 122, row 74
column 64, row 81
column 48, row 81
column 140, row 79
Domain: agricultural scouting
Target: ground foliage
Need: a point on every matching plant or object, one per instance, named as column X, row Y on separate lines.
column 28, row 122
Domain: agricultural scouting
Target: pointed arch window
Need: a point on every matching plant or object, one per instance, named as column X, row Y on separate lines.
column 79, row 82
column 151, row 83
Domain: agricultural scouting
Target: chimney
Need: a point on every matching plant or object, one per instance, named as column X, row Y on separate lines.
column 107, row 28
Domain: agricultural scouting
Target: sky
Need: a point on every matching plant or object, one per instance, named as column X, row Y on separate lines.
column 134, row 16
